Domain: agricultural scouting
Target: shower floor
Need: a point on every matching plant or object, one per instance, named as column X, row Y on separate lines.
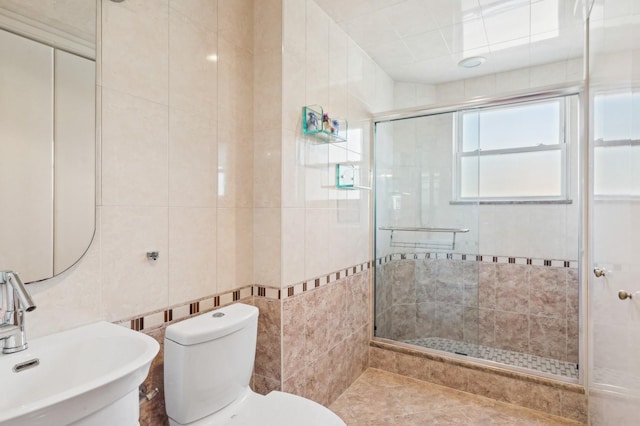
column 516, row 359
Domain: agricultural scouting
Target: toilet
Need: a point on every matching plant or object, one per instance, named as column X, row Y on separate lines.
column 208, row 361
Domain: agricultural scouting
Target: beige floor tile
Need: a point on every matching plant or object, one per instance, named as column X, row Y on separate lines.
column 380, row 398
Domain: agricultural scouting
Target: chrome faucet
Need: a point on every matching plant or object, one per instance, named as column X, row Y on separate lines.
column 17, row 301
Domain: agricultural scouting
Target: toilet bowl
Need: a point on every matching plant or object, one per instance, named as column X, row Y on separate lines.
column 208, row 361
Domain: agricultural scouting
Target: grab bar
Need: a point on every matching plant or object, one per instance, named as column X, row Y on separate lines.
column 424, row 244
column 400, row 228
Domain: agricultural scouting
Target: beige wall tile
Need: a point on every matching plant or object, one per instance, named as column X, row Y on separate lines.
column 128, row 233
column 203, row 13
column 316, row 242
column 193, row 160
column 193, row 53
column 192, row 257
column 135, row 48
column 293, row 254
column 267, row 246
column 134, row 150
column 267, row 164
column 267, row 27
column 235, row 248
column 235, row 22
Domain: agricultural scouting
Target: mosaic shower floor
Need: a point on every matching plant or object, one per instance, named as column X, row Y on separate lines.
column 516, row 359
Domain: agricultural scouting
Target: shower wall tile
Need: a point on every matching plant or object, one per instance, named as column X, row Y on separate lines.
column 512, row 331
column 403, row 321
column 449, row 321
column 426, row 274
column 471, row 325
column 487, row 327
column 487, row 286
column 548, row 292
column 548, row 337
column 426, row 319
column 512, row 290
column 402, row 274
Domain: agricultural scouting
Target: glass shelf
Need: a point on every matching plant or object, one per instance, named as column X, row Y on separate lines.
column 333, row 130
column 348, row 177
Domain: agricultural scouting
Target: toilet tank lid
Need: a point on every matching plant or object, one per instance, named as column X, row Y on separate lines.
column 211, row 325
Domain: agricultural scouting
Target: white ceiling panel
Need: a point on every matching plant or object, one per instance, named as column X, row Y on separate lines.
column 423, row 40
column 427, row 45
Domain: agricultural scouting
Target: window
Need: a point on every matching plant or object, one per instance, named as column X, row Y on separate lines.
column 512, row 153
column 616, row 150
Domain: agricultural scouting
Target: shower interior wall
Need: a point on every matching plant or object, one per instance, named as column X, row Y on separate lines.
column 494, row 302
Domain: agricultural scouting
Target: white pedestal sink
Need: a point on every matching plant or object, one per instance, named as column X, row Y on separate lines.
column 88, row 376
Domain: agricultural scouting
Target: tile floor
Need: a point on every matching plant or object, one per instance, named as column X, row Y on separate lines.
column 380, row 398
column 518, row 359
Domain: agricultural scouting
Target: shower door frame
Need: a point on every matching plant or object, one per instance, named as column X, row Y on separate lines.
column 578, row 88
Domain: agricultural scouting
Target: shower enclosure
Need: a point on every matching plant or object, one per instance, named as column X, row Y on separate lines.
column 477, row 222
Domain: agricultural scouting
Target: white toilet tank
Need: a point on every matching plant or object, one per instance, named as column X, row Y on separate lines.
column 208, row 361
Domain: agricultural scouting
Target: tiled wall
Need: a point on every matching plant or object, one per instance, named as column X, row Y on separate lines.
column 527, row 307
column 175, row 170
column 313, row 337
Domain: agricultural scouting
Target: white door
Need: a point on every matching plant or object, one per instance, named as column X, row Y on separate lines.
column 614, row 298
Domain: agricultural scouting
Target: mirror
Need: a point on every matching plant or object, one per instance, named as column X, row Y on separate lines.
column 47, row 134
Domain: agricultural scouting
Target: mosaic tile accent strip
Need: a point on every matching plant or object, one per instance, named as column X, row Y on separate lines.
column 516, row 359
column 162, row 317
column 553, row 263
column 313, row 283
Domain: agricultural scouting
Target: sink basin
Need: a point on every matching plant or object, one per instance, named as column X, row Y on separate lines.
column 85, row 376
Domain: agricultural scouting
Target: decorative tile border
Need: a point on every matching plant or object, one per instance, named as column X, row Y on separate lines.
column 308, row 285
column 553, row 263
column 183, row 311
column 163, row 317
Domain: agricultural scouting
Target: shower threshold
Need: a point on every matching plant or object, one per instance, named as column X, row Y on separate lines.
column 503, row 356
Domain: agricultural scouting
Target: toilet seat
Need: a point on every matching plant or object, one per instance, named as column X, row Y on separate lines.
column 274, row 409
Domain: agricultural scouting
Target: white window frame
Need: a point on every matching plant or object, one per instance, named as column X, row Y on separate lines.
column 564, row 112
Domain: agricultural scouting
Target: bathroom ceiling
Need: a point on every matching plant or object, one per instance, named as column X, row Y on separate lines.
column 422, row 41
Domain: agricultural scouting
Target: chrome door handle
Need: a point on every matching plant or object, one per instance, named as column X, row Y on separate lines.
column 598, row 272
column 622, row 295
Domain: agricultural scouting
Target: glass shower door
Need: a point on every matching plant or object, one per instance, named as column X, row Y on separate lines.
column 426, row 271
